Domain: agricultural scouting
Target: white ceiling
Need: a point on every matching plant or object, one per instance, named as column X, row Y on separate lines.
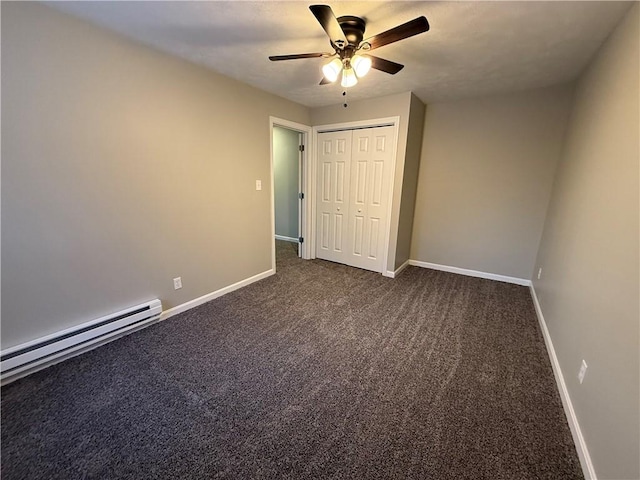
column 472, row 48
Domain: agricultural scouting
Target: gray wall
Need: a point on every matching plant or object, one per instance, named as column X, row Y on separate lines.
column 485, row 180
column 589, row 255
column 285, row 178
column 410, row 180
column 122, row 168
column 388, row 106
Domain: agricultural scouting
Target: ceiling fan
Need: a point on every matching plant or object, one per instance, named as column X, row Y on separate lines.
column 346, row 35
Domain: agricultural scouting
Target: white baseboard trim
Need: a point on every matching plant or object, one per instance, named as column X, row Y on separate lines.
column 581, row 446
column 286, row 239
column 218, row 293
column 398, row 271
column 471, row 273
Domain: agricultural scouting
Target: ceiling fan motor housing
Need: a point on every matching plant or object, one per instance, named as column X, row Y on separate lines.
column 353, row 28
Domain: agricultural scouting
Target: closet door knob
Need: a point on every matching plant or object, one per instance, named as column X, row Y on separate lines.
column 359, row 210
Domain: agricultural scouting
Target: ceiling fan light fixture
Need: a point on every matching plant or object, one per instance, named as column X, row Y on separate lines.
column 346, row 35
column 332, row 69
column 361, row 65
column 349, row 78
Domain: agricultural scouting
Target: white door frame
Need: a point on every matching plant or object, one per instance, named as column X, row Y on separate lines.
column 307, row 141
column 313, row 174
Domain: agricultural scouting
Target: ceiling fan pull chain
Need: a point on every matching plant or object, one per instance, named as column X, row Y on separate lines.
column 344, row 94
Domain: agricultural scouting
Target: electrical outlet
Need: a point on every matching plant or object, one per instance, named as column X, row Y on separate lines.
column 582, row 372
column 539, row 273
column 177, row 283
column 258, row 184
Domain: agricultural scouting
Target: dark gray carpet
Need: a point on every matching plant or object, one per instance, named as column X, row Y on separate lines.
column 321, row 371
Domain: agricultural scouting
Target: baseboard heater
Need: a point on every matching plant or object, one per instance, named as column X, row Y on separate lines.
column 37, row 354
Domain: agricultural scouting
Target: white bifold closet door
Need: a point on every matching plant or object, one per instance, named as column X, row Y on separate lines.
column 354, row 179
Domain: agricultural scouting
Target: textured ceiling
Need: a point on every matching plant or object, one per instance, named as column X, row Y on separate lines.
column 472, row 49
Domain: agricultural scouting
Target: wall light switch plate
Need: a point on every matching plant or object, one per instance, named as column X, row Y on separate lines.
column 258, row 184
column 583, row 371
column 539, row 273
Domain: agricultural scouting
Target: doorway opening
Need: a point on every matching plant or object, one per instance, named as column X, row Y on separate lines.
column 289, row 147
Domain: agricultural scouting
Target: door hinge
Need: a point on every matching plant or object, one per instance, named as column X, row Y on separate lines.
column 301, row 239
column 301, row 196
column 301, row 148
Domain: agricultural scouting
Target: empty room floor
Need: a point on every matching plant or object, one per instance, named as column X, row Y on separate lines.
column 320, row 371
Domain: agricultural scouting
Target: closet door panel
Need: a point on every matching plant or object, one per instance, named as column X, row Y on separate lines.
column 370, row 188
column 332, row 201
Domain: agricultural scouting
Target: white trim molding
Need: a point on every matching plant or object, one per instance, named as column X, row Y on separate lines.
column 218, row 293
column 305, row 226
column 286, row 239
column 578, row 439
column 397, row 271
column 472, row 273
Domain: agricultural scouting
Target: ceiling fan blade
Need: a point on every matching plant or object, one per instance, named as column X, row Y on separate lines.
column 386, row 66
column 329, row 23
column 324, row 81
column 406, row 30
column 275, row 58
